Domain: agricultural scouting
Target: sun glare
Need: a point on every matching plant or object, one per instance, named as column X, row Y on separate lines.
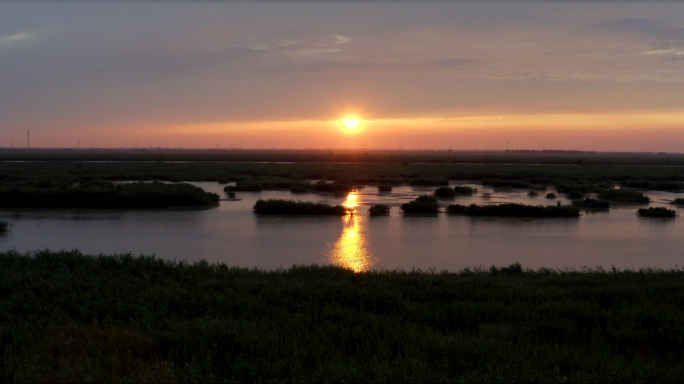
column 351, row 122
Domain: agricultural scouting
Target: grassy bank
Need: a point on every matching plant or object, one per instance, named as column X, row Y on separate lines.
column 65, row 315
column 102, row 194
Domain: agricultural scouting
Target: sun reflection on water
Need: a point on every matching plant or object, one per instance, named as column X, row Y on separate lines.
column 352, row 249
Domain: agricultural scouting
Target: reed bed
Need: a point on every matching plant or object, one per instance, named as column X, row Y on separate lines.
column 291, row 207
column 624, row 195
column 657, row 212
column 72, row 317
column 514, row 209
column 102, row 194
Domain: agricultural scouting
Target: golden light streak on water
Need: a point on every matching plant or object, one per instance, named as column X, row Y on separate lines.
column 352, row 249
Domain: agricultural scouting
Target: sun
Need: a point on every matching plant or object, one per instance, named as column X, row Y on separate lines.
column 351, row 122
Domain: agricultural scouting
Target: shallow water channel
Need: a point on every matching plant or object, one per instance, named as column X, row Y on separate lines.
column 231, row 233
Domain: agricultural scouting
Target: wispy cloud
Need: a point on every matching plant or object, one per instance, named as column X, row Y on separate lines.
column 342, row 39
column 16, row 38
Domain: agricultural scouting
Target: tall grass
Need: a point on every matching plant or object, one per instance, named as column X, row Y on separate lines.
column 67, row 316
column 291, row 207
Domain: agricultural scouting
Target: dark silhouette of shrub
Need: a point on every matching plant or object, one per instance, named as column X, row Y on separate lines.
column 463, row 189
column 104, row 194
column 422, row 204
column 291, row 207
column 231, row 195
column 299, row 188
column 445, row 192
column 657, row 212
column 379, row 210
column 5, row 225
column 678, row 201
column 624, row 195
column 385, row 188
column 657, row 185
column 575, row 195
column 514, row 209
column 456, row 208
column 551, row 195
column 498, row 183
column 428, row 181
column 533, row 193
column 592, row 203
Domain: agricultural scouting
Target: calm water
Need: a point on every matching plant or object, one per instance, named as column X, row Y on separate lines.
column 231, row 233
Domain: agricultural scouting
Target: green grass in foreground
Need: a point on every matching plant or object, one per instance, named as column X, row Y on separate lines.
column 66, row 316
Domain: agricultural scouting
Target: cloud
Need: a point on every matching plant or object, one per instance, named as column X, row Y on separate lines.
column 647, row 27
column 316, row 51
column 663, row 51
column 342, row 39
column 16, row 38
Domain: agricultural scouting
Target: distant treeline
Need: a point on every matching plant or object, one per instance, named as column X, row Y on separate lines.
column 514, row 209
column 69, row 317
column 347, row 155
column 102, row 194
column 657, row 185
column 262, row 176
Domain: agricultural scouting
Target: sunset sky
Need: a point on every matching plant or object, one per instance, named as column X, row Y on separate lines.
column 575, row 75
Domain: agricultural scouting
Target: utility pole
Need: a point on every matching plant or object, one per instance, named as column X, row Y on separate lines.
column 544, row 145
column 507, row 144
column 28, row 139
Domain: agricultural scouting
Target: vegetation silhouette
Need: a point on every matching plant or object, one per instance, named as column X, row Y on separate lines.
column 463, row 189
column 551, row 195
column 291, row 207
column 199, row 322
column 379, row 210
column 656, row 185
column 514, row 209
column 575, row 195
column 385, row 188
column 102, row 194
column 422, row 204
column 591, row 203
column 533, row 193
column 678, row 201
column 657, row 212
column 5, row 225
column 624, row 195
column 444, row 192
